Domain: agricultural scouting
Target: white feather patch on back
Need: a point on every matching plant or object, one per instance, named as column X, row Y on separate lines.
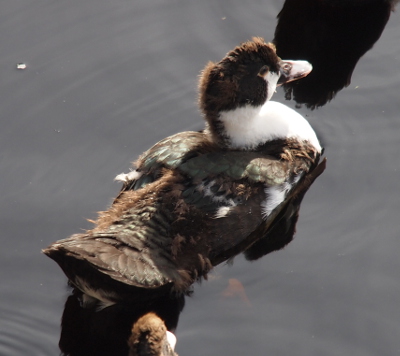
column 206, row 190
column 226, row 203
column 126, row 177
column 222, row 212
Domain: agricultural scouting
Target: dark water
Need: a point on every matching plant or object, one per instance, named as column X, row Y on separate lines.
column 107, row 79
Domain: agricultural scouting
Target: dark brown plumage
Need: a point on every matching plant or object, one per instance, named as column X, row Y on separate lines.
column 194, row 201
column 220, row 82
column 234, row 82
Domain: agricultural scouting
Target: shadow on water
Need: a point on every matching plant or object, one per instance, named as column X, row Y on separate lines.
column 332, row 35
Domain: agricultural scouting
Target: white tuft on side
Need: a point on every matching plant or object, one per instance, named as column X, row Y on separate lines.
column 249, row 126
column 275, row 196
column 222, row 212
column 90, row 295
column 126, row 177
column 226, row 204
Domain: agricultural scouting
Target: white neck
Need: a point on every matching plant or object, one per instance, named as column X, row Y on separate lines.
column 249, row 126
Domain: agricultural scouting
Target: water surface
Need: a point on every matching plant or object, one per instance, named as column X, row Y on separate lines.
column 104, row 81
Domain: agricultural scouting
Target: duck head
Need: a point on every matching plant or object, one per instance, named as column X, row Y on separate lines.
column 245, row 79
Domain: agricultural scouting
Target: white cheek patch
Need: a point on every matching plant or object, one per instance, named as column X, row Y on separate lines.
column 272, row 80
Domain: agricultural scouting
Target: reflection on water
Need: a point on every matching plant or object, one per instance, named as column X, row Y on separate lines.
column 332, row 35
column 87, row 331
column 94, row 95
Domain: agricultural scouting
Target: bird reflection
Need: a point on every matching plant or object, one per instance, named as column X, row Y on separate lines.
column 89, row 331
column 332, row 35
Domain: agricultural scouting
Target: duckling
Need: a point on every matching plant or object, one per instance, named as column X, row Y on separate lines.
column 197, row 199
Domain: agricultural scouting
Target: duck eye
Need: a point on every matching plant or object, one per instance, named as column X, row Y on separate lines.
column 263, row 71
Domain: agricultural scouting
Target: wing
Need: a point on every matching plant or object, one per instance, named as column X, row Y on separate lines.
column 129, row 244
column 238, row 196
column 169, row 153
column 176, row 228
column 282, row 230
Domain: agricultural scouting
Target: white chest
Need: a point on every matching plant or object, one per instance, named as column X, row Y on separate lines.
column 250, row 126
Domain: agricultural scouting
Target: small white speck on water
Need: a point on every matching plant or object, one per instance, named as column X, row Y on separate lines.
column 21, row 66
